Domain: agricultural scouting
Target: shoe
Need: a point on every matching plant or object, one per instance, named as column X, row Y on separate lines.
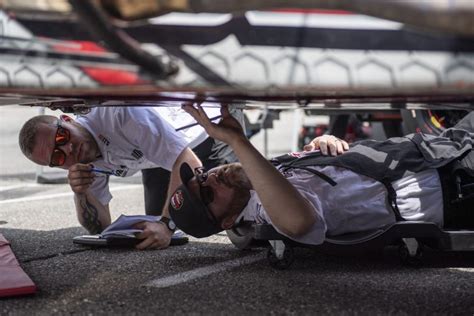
column 179, row 238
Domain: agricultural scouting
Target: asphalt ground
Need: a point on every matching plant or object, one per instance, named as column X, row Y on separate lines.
column 206, row 276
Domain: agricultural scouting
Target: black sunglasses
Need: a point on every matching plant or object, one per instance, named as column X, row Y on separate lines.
column 206, row 193
column 58, row 157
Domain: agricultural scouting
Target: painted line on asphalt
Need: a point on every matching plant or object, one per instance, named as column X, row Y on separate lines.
column 58, row 195
column 190, row 275
column 471, row 270
column 19, row 186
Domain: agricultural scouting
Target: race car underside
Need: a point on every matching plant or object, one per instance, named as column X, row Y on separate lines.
column 324, row 100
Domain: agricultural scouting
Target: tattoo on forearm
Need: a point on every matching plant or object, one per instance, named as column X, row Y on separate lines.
column 90, row 217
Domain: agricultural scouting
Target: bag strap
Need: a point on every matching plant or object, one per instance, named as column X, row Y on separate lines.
column 315, row 172
column 392, row 199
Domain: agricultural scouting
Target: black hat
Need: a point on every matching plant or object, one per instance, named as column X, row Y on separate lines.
column 188, row 211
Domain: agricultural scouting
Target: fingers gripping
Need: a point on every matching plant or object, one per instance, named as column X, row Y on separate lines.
column 197, row 113
column 225, row 111
column 80, row 177
column 328, row 144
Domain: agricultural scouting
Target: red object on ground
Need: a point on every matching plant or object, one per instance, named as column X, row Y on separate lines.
column 13, row 280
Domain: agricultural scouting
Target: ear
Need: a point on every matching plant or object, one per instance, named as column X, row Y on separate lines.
column 66, row 118
column 229, row 221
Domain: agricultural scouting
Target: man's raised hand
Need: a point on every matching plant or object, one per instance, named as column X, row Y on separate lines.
column 227, row 130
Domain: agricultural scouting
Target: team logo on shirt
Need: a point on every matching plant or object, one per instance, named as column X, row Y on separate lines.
column 177, row 200
column 137, row 154
column 287, row 174
column 120, row 172
column 104, row 140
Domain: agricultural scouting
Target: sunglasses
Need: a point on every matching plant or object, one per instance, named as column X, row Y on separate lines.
column 205, row 192
column 58, row 157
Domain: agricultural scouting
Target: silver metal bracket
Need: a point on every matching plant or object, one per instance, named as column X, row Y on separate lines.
column 412, row 246
column 279, row 248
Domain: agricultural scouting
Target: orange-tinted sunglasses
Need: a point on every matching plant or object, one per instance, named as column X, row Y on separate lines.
column 58, row 157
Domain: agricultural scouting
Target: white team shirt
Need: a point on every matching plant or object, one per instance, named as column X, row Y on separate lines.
column 135, row 138
column 357, row 202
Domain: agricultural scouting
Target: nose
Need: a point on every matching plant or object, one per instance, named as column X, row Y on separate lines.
column 211, row 180
column 67, row 148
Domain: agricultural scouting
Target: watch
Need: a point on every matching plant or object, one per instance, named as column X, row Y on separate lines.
column 168, row 223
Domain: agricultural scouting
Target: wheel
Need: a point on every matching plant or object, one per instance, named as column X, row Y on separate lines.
column 283, row 263
column 410, row 260
column 241, row 242
column 430, row 121
column 241, row 237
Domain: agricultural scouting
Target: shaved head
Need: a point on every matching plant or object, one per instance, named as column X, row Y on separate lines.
column 27, row 137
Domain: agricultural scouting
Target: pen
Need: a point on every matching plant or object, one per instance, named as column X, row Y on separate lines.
column 103, row 171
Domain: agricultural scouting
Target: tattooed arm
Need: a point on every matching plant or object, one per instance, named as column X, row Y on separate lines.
column 93, row 215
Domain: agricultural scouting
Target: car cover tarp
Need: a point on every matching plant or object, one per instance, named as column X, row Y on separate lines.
column 13, row 280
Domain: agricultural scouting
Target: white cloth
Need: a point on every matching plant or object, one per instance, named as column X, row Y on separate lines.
column 134, row 138
column 357, row 202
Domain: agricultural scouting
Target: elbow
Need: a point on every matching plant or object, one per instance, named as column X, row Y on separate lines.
column 188, row 156
column 301, row 226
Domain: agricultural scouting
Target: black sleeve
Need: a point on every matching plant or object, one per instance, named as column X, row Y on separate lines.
column 467, row 123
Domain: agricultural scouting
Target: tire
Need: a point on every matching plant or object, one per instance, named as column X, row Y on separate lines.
column 281, row 264
column 430, row 121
